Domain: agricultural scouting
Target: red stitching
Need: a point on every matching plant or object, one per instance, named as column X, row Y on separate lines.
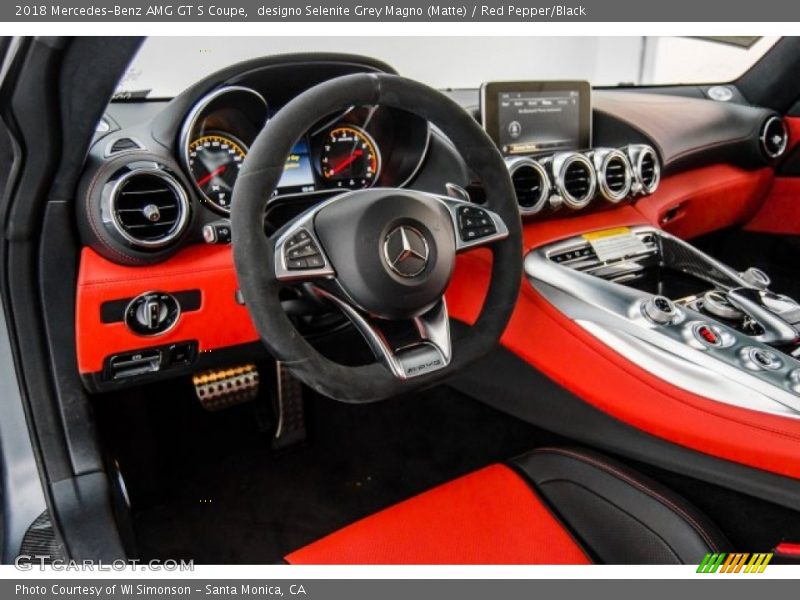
column 638, row 485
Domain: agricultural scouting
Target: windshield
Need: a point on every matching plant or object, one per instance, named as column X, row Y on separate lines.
column 167, row 65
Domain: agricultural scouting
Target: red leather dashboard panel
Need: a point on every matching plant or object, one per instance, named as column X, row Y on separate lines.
column 490, row 516
column 562, row 350
column 703, row 200
column 780, row 213
column 219, row 322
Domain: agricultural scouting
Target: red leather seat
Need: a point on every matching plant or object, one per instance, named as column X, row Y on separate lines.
column 551, row 506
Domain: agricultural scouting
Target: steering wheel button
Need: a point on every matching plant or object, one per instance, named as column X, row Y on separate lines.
column 488, row 230
column 303, row 251
column 315, row 262
column 296, row 264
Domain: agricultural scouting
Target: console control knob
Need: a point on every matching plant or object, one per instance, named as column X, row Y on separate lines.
column 707, row 334
column 660, row 310
column 760, row 359
column 717, row 304
column 794, row 380
column 756, row 278
column 152, row 313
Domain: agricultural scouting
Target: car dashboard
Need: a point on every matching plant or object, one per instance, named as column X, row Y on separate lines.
column 157, row 293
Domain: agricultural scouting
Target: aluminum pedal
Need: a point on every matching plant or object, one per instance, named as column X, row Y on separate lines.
column 226, row 387
column 291, row 427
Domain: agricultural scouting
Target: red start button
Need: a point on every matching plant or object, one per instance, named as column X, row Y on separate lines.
column 708, row 335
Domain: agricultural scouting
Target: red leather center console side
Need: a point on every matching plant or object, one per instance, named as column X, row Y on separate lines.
column 219, row 322
column 706, row 199
column 490, row 516
column 549, row 341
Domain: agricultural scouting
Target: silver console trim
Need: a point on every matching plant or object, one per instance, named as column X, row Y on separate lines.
column 613, row 314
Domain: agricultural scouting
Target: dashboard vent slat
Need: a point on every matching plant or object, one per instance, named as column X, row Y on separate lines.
column 149, row 208
column 615, row 175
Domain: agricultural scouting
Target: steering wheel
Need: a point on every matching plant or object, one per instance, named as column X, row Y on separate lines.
column 384, row 256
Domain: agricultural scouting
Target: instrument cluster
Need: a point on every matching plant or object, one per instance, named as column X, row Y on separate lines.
column 358, row 148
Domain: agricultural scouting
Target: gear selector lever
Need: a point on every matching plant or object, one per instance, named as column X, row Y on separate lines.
column 776, row 329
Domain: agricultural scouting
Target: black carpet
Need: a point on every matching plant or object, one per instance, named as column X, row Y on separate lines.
column 207, row 486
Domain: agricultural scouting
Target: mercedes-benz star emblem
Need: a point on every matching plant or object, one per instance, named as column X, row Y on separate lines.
column 406, row 251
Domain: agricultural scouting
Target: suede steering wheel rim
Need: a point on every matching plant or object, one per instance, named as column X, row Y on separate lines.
column 258, row 257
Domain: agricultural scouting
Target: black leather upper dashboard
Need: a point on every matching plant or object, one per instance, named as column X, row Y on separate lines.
column 689, row 132
column 686, row 129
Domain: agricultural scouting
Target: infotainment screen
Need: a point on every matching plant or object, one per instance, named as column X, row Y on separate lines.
column 533, row 117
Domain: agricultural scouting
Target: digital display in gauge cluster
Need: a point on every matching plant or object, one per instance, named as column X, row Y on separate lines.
column 298, row 174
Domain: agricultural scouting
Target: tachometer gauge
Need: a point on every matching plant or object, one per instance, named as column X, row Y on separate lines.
column 349, row 158
column 214, row 162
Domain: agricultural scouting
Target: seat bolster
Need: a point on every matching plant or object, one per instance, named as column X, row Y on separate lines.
column 490, row 516
column 618, row 516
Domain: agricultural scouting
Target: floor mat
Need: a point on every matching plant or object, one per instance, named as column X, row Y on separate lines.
column 207, row 486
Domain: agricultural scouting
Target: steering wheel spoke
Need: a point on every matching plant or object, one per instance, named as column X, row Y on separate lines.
column 424, row 347
column 299, row 255
column 473, row 225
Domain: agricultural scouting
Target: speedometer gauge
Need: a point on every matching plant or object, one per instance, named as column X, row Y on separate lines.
column 214, row 162
column 349, row 158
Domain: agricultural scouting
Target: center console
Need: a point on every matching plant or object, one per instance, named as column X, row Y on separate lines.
column 678, row 313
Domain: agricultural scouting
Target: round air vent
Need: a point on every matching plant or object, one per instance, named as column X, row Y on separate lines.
column 149, row 208
column 774, row 137
column 646, row 168
column 614, row 176
column 531, row 185
column 576, row 180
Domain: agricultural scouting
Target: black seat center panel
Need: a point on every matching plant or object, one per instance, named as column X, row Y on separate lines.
column 678, row 313
column 621, row 516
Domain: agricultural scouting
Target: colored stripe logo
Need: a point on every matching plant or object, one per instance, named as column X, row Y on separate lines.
column 737, row 562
